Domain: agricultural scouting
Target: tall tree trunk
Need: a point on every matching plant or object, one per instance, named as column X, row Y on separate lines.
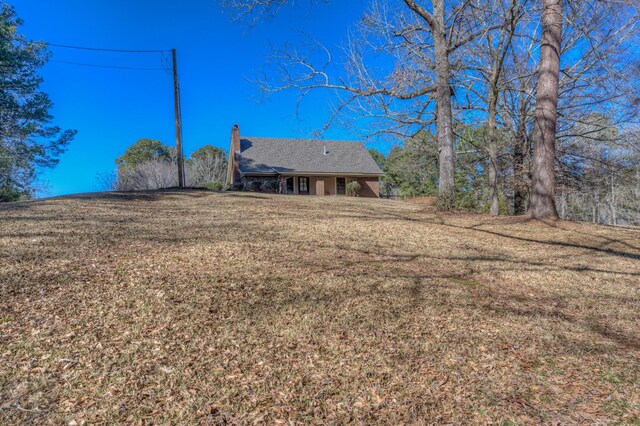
column 492, row 133
column 521, row 151
column 614, row 211
column 444, row 117
column 520, row 148
column 497, row 61
column 543, row 204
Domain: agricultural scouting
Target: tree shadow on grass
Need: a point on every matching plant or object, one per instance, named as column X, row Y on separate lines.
column 114, row 196
column 440, row 221
column 557, row 243
column 109, row 196
column 604, row 237
column 456, row 292
column 518, row 264
column 247, row 195
column 532, row 307
column 376, row 265
column 372, row 268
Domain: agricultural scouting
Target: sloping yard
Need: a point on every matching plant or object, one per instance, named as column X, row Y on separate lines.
column 205, row 308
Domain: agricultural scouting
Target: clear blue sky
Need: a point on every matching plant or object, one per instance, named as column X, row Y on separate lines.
column 111, row 108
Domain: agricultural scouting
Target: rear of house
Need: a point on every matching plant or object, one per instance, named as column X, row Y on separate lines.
column 301, row 166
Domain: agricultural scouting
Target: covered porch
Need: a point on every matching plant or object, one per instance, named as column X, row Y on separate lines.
column 327, row 185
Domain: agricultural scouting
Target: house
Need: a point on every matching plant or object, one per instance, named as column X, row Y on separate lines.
column 301, row 166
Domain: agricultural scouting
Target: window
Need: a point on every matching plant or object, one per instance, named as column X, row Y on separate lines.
column 290, row 185
column 341, row 186
column 303, row 185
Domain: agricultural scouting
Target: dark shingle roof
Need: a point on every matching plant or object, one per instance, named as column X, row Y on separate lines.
column 281, row 155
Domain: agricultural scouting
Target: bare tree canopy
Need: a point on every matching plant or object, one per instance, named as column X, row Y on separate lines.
column 529, row 73
column 149, row 164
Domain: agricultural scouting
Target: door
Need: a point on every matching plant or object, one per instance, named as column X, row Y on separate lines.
column 341, row 186
column 290, row 185
column 320, row 187
column 303, row 185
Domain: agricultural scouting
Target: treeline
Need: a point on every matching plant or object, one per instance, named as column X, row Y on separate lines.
column 149, row 164
column 518, row 106
column 602, row 187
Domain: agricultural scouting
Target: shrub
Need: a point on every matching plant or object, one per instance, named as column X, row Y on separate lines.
column 353, row 188
column 213, row 186
column 504, row 207
column 272, row 185
column 447, row 202
column 238, row 186
column 8, row 193
column 255, row 186
column 467, row 201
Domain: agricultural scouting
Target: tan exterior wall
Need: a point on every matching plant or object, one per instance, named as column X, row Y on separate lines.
column 330, row 185
column 369, row 186
column 312, row 185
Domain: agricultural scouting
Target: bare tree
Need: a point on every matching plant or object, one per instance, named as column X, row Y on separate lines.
column 444, row 117
column 160, row 173
column 206, row 168
column 598, row 73
column 422, row 41
column 601, row 182
column 154, row 174
column 516, row 107
column 412, row 65
column 485, row 74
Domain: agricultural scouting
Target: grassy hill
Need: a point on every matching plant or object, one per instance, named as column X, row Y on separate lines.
column 206, row 308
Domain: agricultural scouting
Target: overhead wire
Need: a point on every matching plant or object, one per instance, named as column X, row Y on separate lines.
column 101, row 49
column 164, row 60
column 108, row 66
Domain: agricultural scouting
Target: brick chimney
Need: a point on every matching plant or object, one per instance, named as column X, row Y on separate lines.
column 233, row 174
column 235, row 138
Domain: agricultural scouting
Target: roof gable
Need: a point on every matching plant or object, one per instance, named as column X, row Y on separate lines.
column 282, row 155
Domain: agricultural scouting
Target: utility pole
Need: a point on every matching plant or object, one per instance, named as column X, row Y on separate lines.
column 176, row 100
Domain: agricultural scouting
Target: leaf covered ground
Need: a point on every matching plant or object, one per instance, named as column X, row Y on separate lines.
column 223, row 308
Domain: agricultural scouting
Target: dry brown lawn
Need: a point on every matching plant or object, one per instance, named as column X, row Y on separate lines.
column 205, row 308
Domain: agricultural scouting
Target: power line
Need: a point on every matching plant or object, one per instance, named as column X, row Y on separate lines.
column 108, row 66
column 176, row 86
column 67, row 46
